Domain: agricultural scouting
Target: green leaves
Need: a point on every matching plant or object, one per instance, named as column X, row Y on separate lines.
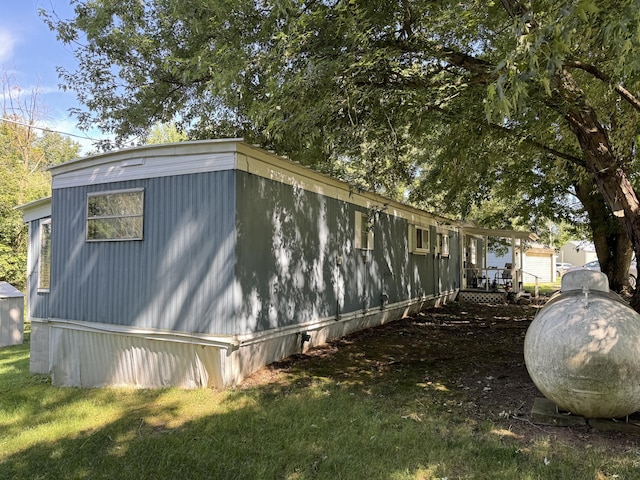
column 452, row 104
column 24, row 157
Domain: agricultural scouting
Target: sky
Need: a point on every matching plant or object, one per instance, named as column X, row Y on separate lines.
column 29, row 55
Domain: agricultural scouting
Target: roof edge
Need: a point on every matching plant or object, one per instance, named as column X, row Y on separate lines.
column 491, row 232
column 36, row 209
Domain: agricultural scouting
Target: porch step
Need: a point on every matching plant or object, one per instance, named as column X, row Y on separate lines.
column 523, row 298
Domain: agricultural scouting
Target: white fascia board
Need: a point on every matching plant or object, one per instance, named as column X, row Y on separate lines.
column 35, row 210
column 489, row 232
column 147, row 151
column 146, row 162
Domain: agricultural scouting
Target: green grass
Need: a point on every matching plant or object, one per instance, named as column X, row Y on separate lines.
column 544, row 289
column 329, row 418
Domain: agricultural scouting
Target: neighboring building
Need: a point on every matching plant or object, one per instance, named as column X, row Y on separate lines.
column 577, row 252
column 195, row 264
column 538, row 261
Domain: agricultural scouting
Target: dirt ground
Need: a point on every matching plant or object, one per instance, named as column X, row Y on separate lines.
column 475, row 351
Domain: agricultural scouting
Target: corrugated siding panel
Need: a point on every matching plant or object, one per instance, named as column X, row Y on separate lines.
column 421, row 272
column 81, row 358
column 288, row 243
column 448, row 274
column 389, row 270
column 178, row 278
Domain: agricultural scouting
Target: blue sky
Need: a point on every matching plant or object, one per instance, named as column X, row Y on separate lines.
column 29, row 55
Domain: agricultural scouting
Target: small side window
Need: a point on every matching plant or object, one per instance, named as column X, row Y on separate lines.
column 44, row 270
column 115, row 215
column 443, row 247
column 363, row 232
column 419, row 240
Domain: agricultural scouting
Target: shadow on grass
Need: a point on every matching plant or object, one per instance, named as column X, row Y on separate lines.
column 383, row 404
column 389, row 403
column 319, row 431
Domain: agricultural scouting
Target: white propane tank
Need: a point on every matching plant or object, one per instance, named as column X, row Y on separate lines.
column 582, row 350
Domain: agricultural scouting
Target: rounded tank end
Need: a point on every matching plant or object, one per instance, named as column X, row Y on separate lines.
column 578, row 279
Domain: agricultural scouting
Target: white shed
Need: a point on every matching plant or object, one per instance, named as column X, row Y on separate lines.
column 537, row 262
column 11, row 315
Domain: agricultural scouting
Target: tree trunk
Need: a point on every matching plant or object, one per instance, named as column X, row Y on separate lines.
column 602, row 164
column 609, row 237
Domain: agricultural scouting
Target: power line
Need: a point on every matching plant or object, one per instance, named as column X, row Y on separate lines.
column 85, row 137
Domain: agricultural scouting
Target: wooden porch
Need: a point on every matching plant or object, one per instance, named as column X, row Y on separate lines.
column 494, row 284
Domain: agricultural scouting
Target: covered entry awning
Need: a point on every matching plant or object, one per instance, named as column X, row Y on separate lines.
column 490, row 232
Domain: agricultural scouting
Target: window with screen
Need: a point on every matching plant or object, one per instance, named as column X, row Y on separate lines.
column 444, row 244
column 422, row 240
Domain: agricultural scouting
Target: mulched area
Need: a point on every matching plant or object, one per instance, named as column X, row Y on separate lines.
column 473, row 350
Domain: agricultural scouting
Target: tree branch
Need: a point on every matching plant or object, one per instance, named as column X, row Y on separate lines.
column 541, row 146
column 526, row 139
column 513, row 8
column 481, row 71
column 593, row 70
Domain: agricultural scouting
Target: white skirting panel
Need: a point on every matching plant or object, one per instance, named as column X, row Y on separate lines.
column 82, row 355
column 97, row 359
column 39, row 346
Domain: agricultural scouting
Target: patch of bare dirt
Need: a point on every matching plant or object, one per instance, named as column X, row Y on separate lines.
column 474, row 351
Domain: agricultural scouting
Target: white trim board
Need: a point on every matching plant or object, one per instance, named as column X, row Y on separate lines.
column 123, row 169
column 35, row 210
column 232, row 341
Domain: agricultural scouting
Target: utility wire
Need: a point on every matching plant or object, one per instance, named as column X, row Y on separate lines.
column 85, row 137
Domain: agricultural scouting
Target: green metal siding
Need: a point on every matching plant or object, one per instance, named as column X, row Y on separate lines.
column 289, row 241
column 234, row 253
column 179, row 277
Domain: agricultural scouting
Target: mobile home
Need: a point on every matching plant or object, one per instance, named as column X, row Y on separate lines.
column 194, row 264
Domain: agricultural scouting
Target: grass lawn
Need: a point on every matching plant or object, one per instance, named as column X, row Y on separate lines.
column 544, row 289
column 383, row 405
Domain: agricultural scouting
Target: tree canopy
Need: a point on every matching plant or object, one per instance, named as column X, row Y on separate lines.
column 25, row 154
column 454, row 104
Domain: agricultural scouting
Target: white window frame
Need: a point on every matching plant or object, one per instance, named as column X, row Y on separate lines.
column 443, row 244
column 362, row 222
column 421, row 247
column 41, row 257
column 114, row 217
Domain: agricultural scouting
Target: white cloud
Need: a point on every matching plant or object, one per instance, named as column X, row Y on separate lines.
column 32, row 91
column 7, row 41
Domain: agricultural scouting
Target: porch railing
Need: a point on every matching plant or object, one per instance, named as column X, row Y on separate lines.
column 496, row 278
